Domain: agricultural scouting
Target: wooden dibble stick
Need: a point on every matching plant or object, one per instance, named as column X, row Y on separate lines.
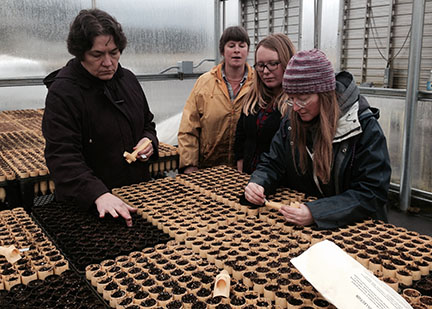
column 222, row 284
column 131, row 157
column 11, row 253
column 277, row 206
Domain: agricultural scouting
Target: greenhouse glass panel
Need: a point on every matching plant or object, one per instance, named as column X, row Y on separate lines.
column 22, row 97
column 161, row 33
column 392, row 122
column 166, row 100
column 33, row 35
column 165, row 104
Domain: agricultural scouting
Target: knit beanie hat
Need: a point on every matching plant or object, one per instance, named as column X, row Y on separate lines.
column 309, row 71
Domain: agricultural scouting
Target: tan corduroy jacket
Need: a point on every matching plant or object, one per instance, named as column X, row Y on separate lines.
column 207, row 129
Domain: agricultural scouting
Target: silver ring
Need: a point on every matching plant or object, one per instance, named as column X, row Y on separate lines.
column 144, row 156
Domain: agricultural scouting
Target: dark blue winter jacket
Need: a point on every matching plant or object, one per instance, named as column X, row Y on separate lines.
column 361, row 171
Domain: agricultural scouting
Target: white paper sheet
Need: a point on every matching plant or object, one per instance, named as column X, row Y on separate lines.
column 343, row 281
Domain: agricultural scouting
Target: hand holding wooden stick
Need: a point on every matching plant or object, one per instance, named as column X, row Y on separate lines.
column 131, row 157
column 277, row 206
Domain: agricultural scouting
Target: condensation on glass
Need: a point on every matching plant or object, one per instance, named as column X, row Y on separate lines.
column 160, row 33
column 33, row 35
column 391, row 119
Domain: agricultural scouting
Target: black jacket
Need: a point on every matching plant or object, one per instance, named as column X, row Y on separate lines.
column 361, row 170
column 250, row 142
column 88, row 124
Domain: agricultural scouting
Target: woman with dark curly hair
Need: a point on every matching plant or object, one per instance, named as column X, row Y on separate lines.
column 96, row 110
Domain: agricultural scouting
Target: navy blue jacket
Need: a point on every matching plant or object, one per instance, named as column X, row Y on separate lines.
column 361, row 171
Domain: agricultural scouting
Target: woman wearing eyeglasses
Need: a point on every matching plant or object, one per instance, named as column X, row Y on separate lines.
column 261, row 114
column 330, row 146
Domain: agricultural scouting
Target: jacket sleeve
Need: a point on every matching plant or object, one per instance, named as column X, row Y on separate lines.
column 273, row 164
column 62, row 129
column 365, row 194
column 189, row 132
column 240, row 137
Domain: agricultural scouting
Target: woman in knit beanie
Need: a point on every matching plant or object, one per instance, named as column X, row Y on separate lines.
column 261, row 114
column 330, row 146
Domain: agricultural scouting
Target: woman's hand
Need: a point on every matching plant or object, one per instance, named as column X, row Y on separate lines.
column 254, row 193
column 108, row 203
column 146, row 153
column 240, row 165
column 298, row 216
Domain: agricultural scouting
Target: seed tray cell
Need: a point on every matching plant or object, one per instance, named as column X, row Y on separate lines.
column 43, row 199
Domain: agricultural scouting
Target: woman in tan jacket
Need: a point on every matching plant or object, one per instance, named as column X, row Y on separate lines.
column 207, row 129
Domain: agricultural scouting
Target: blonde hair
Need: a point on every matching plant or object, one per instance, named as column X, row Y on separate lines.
column 323, row 137
column 259, row 94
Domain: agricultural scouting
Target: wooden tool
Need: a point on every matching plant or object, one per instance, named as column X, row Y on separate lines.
column 295, row 204
column 273, row 205
column 11, row 253
column 131, row 157
column 277, row 206
column 222, row 284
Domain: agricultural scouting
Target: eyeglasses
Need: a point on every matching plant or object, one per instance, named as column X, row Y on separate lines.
column 298, row 103
column 271, row 66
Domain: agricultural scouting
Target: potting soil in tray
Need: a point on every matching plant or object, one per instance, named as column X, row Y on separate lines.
column 85, row 238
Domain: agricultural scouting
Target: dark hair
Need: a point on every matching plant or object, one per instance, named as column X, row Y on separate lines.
column 234, row 33
column 89, row 24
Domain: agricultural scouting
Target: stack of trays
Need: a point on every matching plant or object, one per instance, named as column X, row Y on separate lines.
column 30, row 164
column 6, row 175
column 41, row 259
column 167, row 161
column 22, row 146
column 22, row 157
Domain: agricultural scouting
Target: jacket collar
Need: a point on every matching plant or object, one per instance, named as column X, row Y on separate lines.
column 348, row 124
column 217, row 71
column 347, row 91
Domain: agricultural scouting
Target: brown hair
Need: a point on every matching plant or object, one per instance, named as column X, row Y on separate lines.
column 89, row 24
column 234, row 33
column 259, row 93
column 323, row 137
